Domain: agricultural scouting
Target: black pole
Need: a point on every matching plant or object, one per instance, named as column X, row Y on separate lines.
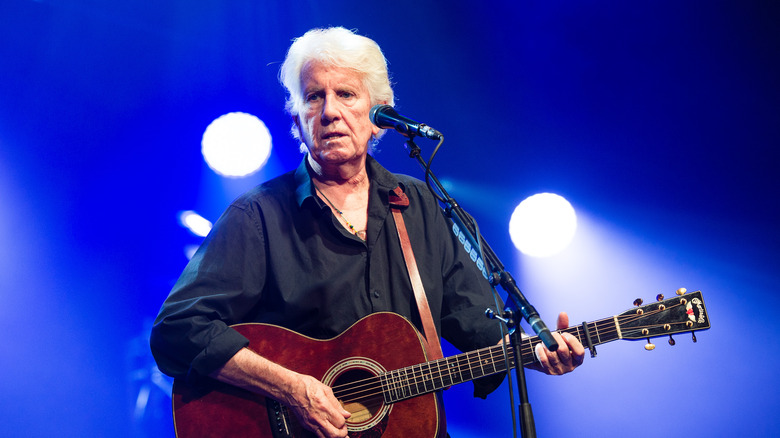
column 495, row 273
column 527, row 424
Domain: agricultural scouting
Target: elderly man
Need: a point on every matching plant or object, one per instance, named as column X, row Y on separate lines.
column 316, row 249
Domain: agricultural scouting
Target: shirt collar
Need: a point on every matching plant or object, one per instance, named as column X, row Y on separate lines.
column 377, row 174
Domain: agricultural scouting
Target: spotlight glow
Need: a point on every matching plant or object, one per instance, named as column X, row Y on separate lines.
column 197, row 224
column 543, row 225
column 236, row 144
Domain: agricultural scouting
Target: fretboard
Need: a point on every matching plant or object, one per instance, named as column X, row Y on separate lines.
column 432, row 376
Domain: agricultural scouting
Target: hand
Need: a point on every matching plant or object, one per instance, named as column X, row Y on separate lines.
column 317, row 408
column 311, row 401
column 569, row 355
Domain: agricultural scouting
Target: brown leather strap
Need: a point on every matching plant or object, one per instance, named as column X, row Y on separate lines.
column 399, row 200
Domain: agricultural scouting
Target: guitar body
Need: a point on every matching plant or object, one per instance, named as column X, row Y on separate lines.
column 376, row 344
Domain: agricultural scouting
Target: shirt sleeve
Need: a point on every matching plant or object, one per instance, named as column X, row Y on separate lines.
column 223, row 281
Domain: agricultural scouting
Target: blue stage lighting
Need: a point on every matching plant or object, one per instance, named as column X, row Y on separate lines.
column 236, row 144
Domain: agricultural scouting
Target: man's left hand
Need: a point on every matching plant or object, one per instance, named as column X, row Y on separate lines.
column 569, row 355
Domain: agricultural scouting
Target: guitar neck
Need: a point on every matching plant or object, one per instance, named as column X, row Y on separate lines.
column 432, row 376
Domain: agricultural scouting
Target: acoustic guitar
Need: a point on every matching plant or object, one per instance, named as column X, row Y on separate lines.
column 379, row 371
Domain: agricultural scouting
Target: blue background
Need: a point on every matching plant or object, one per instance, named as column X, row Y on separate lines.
column 659, row 121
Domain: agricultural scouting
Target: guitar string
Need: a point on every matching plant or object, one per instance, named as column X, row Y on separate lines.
column 356, row 390
column 405, row 384
column 415, row 376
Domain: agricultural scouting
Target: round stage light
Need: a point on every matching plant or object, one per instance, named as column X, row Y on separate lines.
column 543, row 225
column 236, row 144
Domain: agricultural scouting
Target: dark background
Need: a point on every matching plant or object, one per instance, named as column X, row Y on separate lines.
column 658, row 120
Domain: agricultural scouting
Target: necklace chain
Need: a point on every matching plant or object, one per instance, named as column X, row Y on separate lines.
column 351, row 227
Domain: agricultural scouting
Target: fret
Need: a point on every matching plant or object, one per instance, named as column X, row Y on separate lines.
column 399, row 391
column 405, row 382
column 442, row 373
column 448, row 372
column 391, row 387
column 385, row 388
column 459, row 369
column 527, row 354
column 398, row 384
column 428, row 379
column 605, row 330
column 413, row 381
column 499, row 358
column 471, row 375
column 420, row 379
column 499, row 365
column 479, row 358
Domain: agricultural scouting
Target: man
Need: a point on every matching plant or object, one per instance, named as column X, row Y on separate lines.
column 316, row 249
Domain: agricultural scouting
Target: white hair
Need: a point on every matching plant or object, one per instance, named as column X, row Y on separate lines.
column 337, row 47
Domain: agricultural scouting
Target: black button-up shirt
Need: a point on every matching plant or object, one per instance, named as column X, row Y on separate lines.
column 278, row 255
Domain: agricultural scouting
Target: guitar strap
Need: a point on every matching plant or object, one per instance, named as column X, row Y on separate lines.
column 398, row 201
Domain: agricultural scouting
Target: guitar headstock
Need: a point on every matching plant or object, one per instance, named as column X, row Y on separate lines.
column 683, row 313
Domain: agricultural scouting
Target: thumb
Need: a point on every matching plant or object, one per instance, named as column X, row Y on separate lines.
column 563, row 321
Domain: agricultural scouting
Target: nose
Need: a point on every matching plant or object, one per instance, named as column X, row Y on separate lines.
column 330, row 109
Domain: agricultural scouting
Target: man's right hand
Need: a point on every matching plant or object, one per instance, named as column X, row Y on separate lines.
column 317, row 407
column 312, row 401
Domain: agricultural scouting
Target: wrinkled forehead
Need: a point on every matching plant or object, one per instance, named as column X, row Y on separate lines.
column 319, row 74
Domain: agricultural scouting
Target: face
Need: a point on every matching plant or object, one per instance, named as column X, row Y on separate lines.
column 333, row 121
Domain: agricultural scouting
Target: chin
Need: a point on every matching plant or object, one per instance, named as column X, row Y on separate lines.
column 339, row 153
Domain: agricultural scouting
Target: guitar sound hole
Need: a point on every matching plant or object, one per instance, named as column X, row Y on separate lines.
column 363, row 400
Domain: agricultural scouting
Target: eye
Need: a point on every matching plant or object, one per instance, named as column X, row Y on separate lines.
column 312, row 97
column 346, row 94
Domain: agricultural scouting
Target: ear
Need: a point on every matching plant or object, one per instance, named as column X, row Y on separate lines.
column 297, row 122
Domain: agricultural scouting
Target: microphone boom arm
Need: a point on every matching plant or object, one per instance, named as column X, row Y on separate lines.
column 494, row 271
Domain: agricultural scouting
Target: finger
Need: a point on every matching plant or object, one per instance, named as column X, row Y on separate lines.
column 548, row 360
column 330, row 431
column 563, row 320
column 562, row 353
column 338, row 420
column 576, row 348
column 336, row 414
column 541, row 356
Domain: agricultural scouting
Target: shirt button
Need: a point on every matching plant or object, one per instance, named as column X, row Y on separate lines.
column 376, row 294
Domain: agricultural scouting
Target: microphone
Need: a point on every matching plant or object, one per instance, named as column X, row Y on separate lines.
column 385, row 116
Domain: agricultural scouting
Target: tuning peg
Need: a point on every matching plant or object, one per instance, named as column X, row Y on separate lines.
column 671, row 340
column 649, row 346
column 682, row 291
column 638, row 302
column 659, row 297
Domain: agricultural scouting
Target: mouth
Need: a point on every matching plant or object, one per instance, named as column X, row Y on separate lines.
column 332, row 135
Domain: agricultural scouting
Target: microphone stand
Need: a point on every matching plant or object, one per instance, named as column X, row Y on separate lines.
column 464, row 228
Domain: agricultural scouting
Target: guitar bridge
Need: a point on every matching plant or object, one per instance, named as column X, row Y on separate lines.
column 279, row 419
